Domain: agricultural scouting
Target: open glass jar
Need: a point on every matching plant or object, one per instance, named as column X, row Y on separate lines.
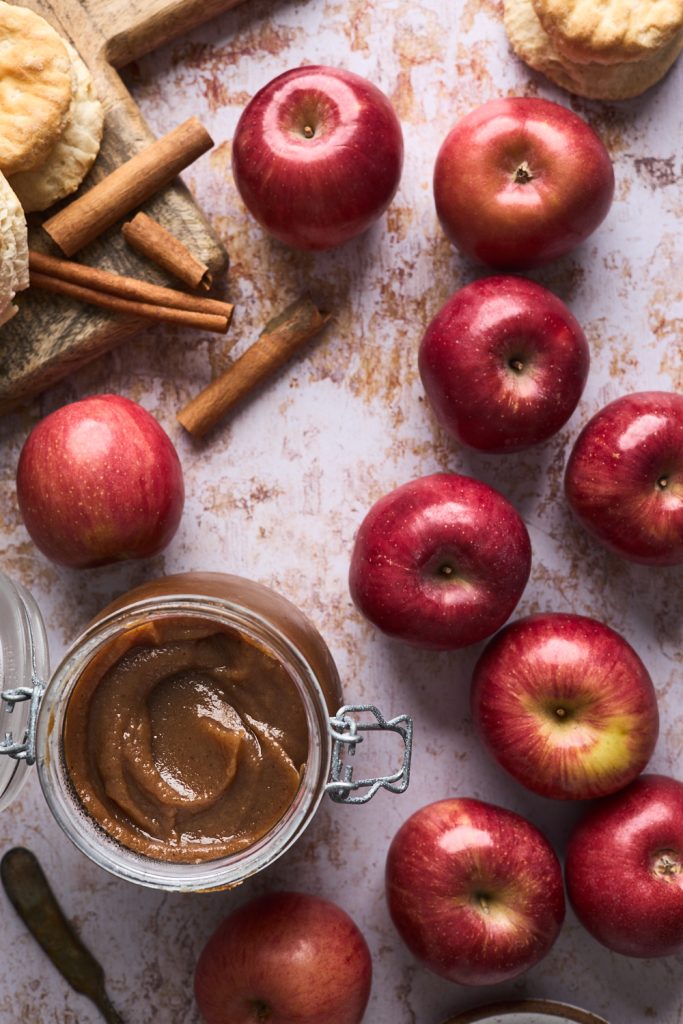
column 527, row 1011
column 35, row 717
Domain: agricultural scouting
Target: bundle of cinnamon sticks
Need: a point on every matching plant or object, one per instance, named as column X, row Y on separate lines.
column 87, row 217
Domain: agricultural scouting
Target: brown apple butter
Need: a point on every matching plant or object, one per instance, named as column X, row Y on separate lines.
column 185, row 739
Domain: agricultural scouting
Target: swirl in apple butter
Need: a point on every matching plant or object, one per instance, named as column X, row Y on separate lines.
column 185, row 740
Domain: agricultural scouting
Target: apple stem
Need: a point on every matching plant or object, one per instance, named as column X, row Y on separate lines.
column 560, row 712
column 484, row 904
column 663, row 483
column 523, row 175
column 516, row 364
column 308, row 131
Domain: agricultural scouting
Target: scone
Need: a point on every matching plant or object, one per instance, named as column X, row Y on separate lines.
column 13, row 250
column 594, row 80
column 75, row 151
column 36, row 86
column 611, row 31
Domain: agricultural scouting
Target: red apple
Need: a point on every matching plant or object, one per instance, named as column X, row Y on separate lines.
column 440, row 562
column 503, row 364
column 624, row 869
column 520, row 181
column 565, row 705
column 474, row 890
column 285, row 958
column 624, row 477
column 98, row 481
column 317, row 156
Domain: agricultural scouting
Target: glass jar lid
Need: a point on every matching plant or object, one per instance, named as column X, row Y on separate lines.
column 24, row 668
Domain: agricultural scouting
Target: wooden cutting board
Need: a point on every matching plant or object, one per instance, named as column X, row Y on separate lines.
column 51, row 336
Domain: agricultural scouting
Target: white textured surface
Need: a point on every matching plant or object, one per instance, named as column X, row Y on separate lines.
column 278, row 493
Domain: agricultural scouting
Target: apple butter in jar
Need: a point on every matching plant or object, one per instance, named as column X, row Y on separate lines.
column 184, row 740
column 189, row 733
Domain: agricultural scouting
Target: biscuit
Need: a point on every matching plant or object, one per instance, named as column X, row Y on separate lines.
column 71, row 158
column 13, row 250
column 35, row 88
column 610, row 31
column 594, row 81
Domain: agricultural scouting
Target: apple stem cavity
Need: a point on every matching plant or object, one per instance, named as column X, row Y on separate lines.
column 667, row 864
column 262, row 1011
column 523, row 175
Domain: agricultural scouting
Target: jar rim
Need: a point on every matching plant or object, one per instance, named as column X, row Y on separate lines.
column 91, row 838
column 543, row 1009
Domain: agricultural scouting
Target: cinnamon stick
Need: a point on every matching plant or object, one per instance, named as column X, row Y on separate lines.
column 127, row 287
column 184, row 317
column 128, row 186
column 280, row 339
column 152, row 240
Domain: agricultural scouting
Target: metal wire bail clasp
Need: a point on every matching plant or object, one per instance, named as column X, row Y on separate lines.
column 24, row 749
column 346, row 734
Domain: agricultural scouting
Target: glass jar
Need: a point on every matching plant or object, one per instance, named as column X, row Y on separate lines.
column 526, row 1011
column 33, row 715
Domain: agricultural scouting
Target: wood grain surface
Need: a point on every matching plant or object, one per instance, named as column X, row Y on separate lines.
column 51, row 336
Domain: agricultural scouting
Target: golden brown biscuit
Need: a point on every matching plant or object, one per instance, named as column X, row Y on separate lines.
column 610, row 31
column 71, row 158
column 35, row 88
column 13, row 250
column 594, row 81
